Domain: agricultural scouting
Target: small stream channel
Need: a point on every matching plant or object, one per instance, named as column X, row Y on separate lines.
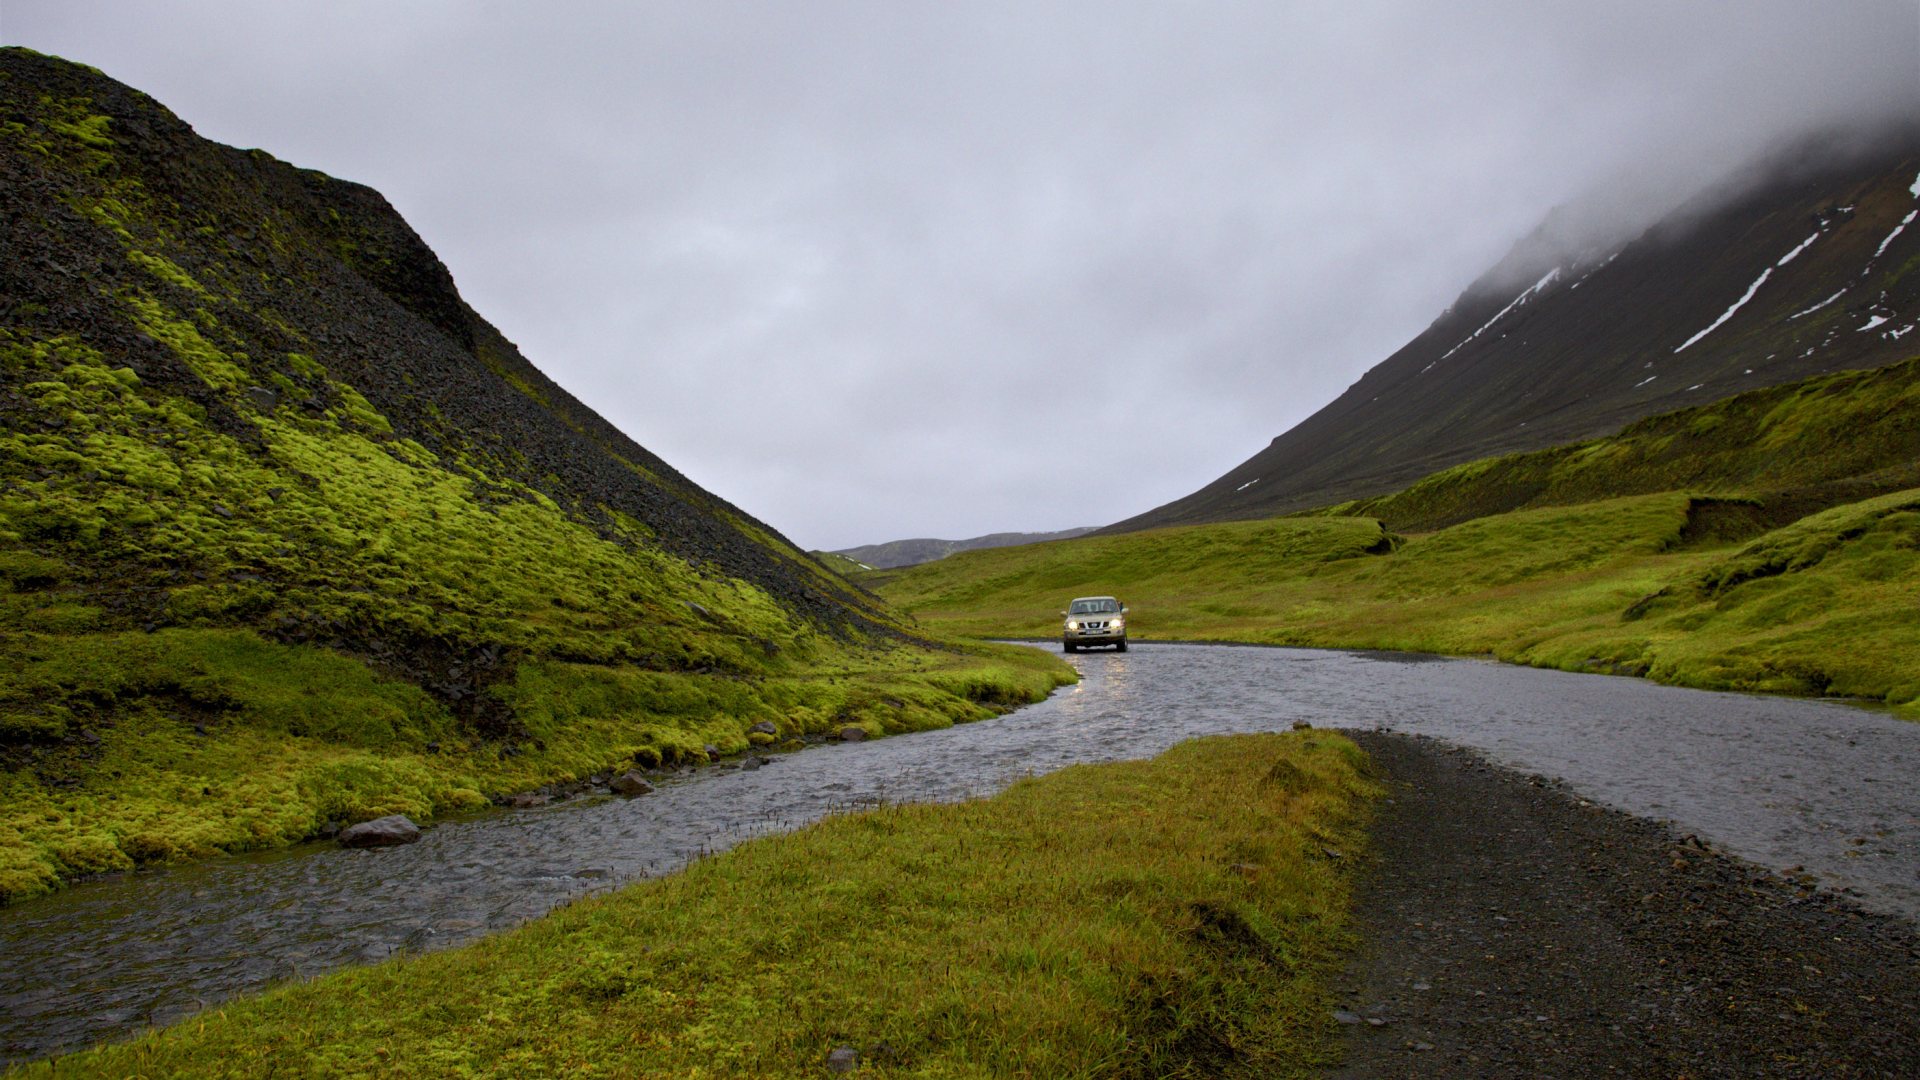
column 1780, row 781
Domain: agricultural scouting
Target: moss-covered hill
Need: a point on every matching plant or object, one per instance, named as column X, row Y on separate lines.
column 289, row 534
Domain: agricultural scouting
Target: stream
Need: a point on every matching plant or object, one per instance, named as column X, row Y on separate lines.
column 1782, row 782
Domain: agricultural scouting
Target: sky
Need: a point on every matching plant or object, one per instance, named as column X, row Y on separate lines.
column 877, row 270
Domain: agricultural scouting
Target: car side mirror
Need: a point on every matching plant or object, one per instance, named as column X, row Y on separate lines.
column 1063, row 614
column 1123, row 609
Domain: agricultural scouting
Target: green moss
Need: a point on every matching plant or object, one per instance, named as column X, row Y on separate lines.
column 165, row 270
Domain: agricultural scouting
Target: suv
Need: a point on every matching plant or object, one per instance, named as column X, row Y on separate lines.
column 1094, row 620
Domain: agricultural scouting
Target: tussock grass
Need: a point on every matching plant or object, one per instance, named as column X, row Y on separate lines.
column 1160, row 918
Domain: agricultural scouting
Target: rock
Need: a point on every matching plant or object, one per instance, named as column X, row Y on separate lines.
column 712, row 752
column 765, row 727
column 380, row 832
column 526, row 799
column 1302, row 725
column 1344, row 1017
column 631, row 783
column 844, row 1059
column 1422, row 986
column 750, row 762
column 852, row 734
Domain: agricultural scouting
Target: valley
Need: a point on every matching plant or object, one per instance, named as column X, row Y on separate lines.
column 292, row 539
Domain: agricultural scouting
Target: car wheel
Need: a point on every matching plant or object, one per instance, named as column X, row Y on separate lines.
column 1120, row 646
column 1068, row 646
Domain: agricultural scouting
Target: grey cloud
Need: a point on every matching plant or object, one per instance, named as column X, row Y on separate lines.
column 883, row 270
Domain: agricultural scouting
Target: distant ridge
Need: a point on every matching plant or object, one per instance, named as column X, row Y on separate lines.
column 1804, row 274
column 898, row 553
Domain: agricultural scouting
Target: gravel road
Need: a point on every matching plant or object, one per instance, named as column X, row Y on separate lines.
column 1513, row 930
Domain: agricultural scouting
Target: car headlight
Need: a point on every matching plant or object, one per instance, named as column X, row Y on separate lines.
column 1073, row 624
column 1118, row 624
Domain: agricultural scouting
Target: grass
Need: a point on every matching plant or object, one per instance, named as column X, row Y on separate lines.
column 1824, row 606
column 1766, row 542
column 1164, row 918
column 197, row 742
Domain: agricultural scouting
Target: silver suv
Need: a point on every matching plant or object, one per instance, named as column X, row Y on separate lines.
column 1094, row 620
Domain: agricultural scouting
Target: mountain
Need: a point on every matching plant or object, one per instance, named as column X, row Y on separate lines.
column 898, row 553
column 1804, row 272
column 290, row 535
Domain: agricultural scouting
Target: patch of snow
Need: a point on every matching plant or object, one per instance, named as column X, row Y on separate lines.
column 1737, row 305
column 1804, row 245
column 1915, row 189
column 1877, row 320
column 1819, row 305
column 1898, row 334
column 1248, row 484
column 1552, row 276
column 1645, row 381
column 1897, row 230
column 1696, row 386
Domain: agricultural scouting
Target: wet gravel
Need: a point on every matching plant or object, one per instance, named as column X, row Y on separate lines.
column 109, row 958
column 1516, row 930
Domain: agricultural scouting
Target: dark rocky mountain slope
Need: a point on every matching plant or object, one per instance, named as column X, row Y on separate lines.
column 1808, row 272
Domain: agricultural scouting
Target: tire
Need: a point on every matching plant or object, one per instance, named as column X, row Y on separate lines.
column 1120, row 646
column 1068, row 646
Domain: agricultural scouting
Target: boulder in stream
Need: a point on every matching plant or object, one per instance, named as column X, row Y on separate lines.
column 764, row 727
column 631, row 783
column 380, row 832
column 852, row 734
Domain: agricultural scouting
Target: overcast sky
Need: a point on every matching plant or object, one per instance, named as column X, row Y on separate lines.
column 889, row 269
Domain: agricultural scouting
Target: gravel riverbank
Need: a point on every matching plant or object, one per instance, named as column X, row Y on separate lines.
column 1514, row 930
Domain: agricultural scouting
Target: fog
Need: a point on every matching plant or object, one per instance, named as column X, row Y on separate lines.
column 875, row 270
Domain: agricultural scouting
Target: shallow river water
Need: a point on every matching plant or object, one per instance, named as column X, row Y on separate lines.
column 1780, row 781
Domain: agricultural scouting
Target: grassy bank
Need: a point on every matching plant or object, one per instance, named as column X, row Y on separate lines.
column 1827, row 605
column 197, row 742
column 1159, row 918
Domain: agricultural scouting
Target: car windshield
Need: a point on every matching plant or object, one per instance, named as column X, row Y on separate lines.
column 1094, row 607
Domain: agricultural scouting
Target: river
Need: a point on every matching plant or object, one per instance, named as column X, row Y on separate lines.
column 1782, row 782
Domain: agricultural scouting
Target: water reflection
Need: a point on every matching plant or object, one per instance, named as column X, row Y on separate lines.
column 1784, row 782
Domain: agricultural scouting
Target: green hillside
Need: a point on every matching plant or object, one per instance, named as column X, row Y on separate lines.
column 1703, row 586
column 289, row 535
